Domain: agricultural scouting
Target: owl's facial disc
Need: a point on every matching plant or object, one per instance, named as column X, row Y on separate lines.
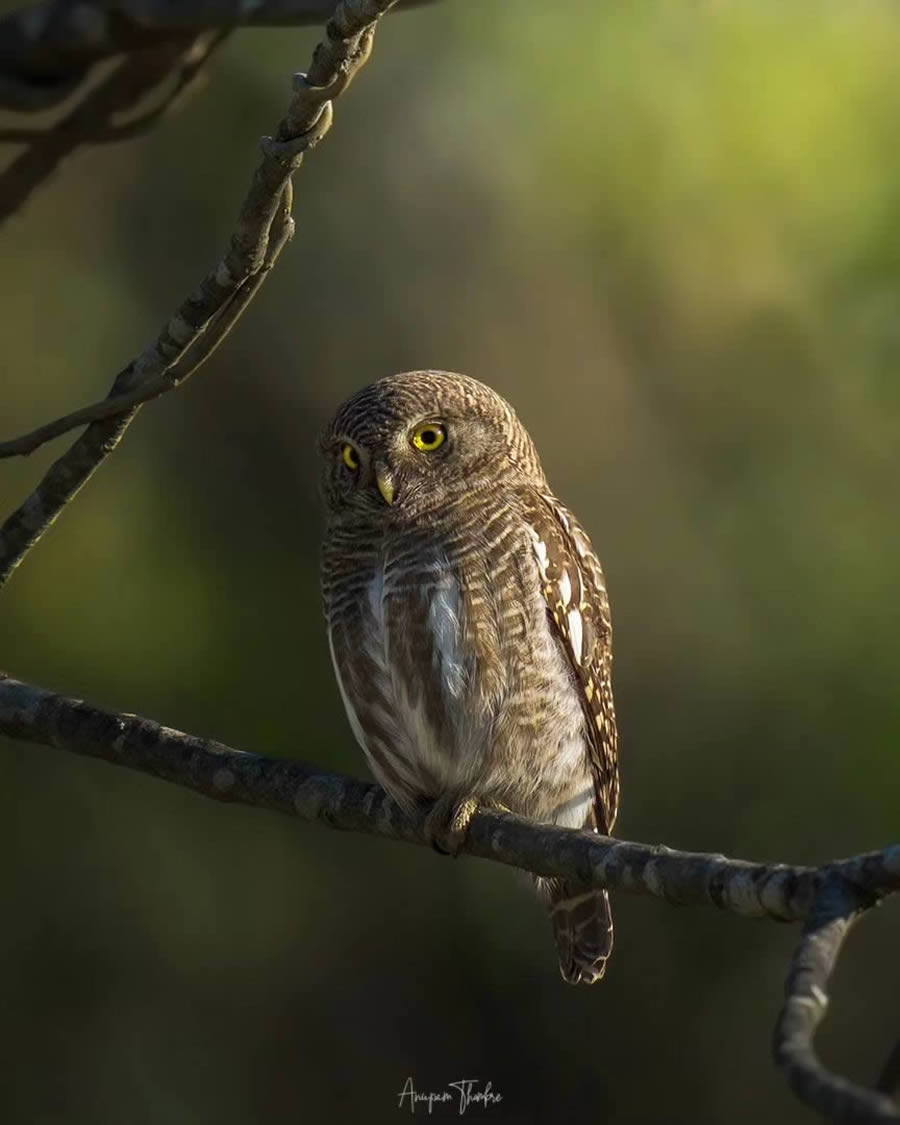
column 385, row 464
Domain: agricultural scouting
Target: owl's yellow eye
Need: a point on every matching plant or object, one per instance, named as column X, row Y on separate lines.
column 350, row 457
column 429, row 436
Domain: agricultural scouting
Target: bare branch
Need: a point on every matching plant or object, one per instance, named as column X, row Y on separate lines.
column 46, row 48
column 281, row 233
column 92, row 119
column 777, row 891
column 830, row 897
column 335, row 61
column 838, row 906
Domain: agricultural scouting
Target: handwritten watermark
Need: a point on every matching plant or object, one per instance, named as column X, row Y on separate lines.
column 463, row 1094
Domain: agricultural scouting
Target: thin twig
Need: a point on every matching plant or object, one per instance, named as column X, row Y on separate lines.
column 335, row 61
column 838, row 906
column 830, row 896
column 198, row 353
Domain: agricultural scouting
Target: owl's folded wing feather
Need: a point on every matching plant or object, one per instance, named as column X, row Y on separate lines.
column 578, row 607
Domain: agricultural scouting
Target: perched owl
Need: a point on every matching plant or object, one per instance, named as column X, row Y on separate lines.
column 469, row 625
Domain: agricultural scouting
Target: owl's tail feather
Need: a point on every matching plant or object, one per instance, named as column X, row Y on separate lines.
column 583, row 928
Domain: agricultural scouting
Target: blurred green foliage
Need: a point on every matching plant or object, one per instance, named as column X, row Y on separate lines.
column 670, row 234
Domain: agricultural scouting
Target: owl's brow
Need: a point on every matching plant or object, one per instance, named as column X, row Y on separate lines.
column 339, row 438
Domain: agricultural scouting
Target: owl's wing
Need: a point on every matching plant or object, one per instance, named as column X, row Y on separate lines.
column 578, row 607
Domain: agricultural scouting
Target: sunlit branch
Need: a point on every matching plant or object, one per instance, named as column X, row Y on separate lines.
column 828, row 897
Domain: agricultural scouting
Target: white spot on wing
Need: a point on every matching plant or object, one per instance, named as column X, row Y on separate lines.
column 565, row 588
column 575, row 633
column 540, row 549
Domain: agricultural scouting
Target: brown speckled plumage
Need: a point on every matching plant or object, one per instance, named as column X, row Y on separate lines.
column 469, row 623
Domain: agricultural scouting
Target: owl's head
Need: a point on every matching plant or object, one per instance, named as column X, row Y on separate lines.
column 416, row 442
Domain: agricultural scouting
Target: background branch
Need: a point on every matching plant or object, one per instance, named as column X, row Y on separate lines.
column 46, row 49
column 830, row 896
column 198, row 353
column 335, row 62
column 179, row 60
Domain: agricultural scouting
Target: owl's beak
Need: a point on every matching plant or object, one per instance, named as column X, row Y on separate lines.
column 385, row 481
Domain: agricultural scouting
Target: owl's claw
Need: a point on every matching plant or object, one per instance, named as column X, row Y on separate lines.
column 448, row 822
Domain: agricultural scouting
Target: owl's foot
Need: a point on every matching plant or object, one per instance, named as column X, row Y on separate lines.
column 448, row 822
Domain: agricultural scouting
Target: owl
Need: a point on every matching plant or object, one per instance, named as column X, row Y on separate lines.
column 469, row 626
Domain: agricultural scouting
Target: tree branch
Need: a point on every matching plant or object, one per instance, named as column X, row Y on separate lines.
column 838, row 905
column 200, row 351
column 96, row 117
column 47, row 48
column 828, row 897
column 177, row 352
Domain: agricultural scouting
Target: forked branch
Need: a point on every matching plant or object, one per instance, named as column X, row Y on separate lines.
column 828, row 898
column 263, row 227
column 839, row 903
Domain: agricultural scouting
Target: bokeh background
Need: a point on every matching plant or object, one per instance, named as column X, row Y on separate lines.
column 670, row 234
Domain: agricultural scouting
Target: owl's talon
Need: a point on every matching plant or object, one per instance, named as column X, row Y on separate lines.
column 447, row 824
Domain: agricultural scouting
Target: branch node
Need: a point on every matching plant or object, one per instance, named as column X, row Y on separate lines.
column 318, row 95
column 290, row 152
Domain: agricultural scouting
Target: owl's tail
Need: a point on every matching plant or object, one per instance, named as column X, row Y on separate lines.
column 583, row 928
